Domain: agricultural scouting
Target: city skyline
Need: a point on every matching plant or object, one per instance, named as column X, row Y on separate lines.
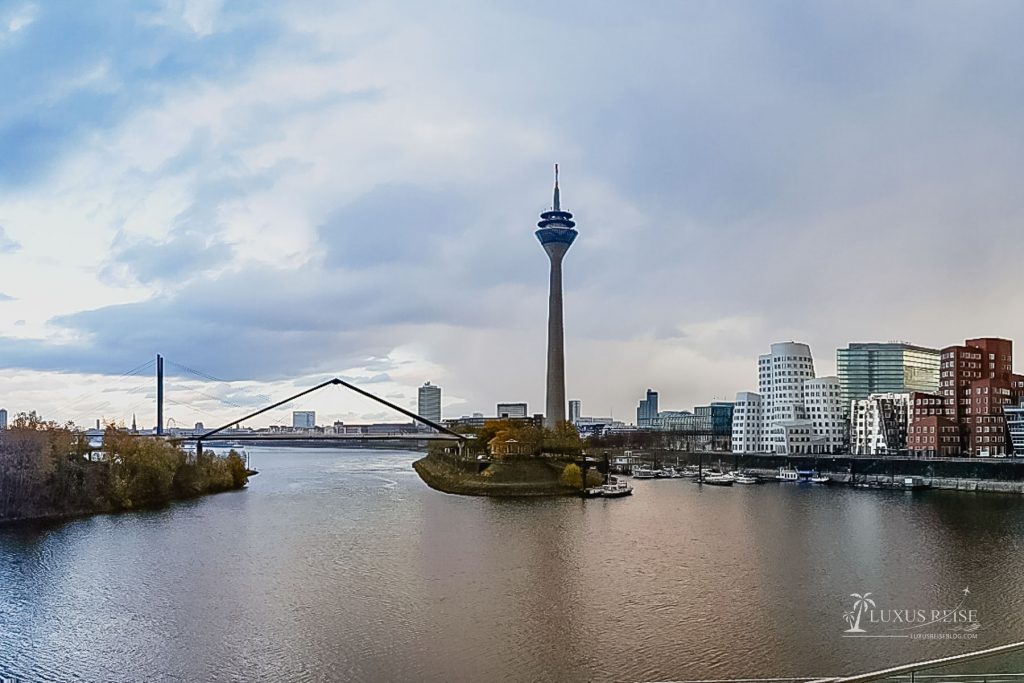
column 204, row 203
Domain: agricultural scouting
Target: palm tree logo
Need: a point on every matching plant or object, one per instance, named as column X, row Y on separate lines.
column 852, row 617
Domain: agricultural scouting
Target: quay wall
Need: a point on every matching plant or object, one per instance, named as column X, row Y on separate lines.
column 1005, row 475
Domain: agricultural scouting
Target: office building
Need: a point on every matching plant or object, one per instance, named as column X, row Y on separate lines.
column 879, row 424
column 303, row 419
column 1015, row 426
column 895, row 367
column 793, row 412
column 976, row 383
column 647, row 411
column 575, row 411
column 428, row 402
column 511, row 410
column 3, row 418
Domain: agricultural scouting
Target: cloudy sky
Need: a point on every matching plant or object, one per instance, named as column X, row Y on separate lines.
column 276, row 193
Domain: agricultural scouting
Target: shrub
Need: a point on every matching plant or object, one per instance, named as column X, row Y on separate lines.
column 572, row 476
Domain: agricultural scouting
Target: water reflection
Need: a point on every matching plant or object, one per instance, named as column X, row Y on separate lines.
column 343, row 565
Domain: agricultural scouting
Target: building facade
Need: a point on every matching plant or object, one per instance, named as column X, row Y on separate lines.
column 1015, row 426
column 879, row 424
column 575, row 411
column 793, row 412
column 748, row 423
column 511, row 410
column 875, row 368
column 428, row 402
column 647, row 411
column 303, row 419
column 3, row 418
column 976, row 384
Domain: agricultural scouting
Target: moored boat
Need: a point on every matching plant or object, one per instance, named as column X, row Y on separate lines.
column 787, row 474
column 718, row 480
column 644, row 472
column 747, row 478
column 616, row 489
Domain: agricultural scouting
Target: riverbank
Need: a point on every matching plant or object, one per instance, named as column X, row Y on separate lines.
column 960, row 474
column 534, row 476
column 48, row 472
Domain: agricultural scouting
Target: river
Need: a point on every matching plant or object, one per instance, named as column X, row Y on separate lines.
column 343, row 565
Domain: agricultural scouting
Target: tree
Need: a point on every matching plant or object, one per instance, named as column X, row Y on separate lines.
column 572, row 476
column 563, row 439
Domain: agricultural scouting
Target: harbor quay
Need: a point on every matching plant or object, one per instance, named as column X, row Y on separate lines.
column 999, row 475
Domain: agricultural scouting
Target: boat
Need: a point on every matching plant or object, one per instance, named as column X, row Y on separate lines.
column 666, row 473
column 644, row 472
column 819, row 479
column 616, row 489
column 787, row 474
column 746, row 478
column 690, row 471
column 718, row 480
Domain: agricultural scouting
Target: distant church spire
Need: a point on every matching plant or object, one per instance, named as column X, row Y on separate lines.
column 134, row 428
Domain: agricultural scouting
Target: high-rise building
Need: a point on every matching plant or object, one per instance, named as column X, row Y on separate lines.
column 879, row 424
column 575, row 411
column 647, row 411
column 511, row 410
column 428, row 402
column 793, row 412
column 303, row 419
column 976, row 383
column 556, row 233
column 877, row 368
column 3, row 418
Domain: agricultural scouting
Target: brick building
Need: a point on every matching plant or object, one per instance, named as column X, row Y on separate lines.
column 975, row 381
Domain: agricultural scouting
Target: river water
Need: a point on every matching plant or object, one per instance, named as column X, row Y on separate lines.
column 343, row 565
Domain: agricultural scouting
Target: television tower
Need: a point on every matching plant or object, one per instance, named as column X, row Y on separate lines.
column 556, row 233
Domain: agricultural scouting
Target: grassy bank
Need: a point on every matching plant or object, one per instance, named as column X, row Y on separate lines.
column 46, row 472
column 532, row 476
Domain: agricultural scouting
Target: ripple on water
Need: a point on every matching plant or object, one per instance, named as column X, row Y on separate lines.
column 344, row 566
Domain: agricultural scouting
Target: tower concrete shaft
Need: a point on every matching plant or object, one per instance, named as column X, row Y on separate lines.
column 556, row 234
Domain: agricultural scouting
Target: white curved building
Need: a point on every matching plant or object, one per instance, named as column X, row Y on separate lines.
column 793, row 412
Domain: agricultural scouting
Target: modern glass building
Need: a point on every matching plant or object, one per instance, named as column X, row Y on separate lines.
column 647, row 411
column 875, row 368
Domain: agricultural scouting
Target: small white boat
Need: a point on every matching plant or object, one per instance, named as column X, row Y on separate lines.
column 787, row 474
column 616, row 489
column 819, row 479
column 690, row 471
column 644, row 472
column 718, row 479
column 744, row 478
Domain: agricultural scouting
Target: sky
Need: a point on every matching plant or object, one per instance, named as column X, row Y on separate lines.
column 273, row 194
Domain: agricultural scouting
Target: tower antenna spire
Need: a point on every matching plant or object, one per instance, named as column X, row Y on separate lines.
column 557, row 205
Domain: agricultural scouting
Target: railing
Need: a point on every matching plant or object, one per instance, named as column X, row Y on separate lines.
column 908, row 673
column 912, row 672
